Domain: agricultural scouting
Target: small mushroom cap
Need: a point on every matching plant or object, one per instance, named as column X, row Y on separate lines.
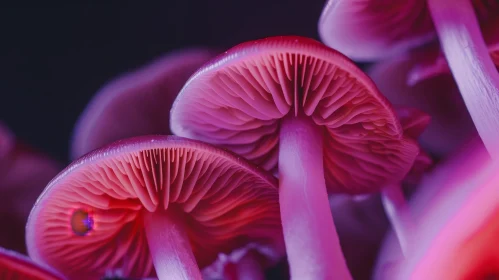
column 457, row 208
column 15, row 266
column 237, row 101
column 225, row 202
column 137, row 103
column 371, row 30
column 451, row 125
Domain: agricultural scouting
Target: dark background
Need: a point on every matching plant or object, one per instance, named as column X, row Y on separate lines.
column 53, row 60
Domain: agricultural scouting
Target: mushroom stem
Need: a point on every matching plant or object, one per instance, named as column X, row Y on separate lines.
column 397, row 210
column 312, row 243
column 169, row 245
column 247, row 268
column 471, row 65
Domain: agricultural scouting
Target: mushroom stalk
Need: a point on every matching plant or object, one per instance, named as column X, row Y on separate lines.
column 471, row 65
column 397, row 210
column 247, row 268
column 170, row 248
column 312, row 243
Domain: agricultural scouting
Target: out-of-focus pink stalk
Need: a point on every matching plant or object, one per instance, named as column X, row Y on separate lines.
column 454, row 209
column 471, row 65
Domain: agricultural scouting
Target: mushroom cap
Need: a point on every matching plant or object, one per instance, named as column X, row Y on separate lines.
column 225, row 202
column 451, row 125
column 237, row 100
column 370, row 30
column 16, row 266
column 137, row 103
column 456, row 209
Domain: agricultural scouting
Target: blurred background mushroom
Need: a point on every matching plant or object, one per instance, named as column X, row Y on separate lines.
column 23, row 173
column 450, row 126
column 137, row 103
column 54, row 59
column 454, row 209
column 372, row 30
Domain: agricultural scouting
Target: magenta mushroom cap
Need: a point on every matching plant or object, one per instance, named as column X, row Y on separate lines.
column 238, row 100
column 16, row 266
column 137, row 103
column 370, row 30
column 90, row 218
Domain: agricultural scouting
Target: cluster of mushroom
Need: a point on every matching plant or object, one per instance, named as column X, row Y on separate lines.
column 277, row 144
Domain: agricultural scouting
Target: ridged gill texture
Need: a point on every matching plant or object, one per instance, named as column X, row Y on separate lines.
column 237, row 101
column 225, row 203
column 14, row 266
column 374, row 29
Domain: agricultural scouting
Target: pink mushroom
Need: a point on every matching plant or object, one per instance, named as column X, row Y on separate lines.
column 14, row 266
column 293, row 103
column 23, row 173
column 152, row 202
column 456, row 211
column 137, row 103
column 371, row 29
column 451, row 125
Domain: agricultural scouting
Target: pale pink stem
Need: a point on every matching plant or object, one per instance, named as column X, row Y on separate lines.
column 312, row 243
column 397, row 210
column 169, row 245
column 471, row 65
